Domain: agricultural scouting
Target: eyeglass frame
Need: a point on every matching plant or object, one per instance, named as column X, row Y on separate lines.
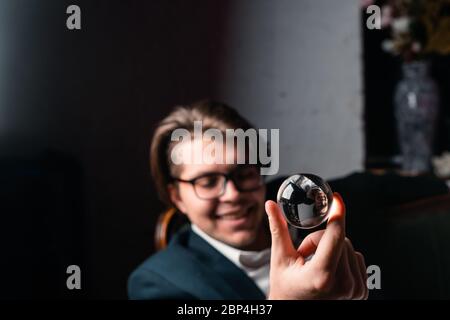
column 228, row 176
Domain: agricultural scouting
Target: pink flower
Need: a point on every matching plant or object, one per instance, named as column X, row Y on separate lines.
column 366, row 3
column 386, row 16
column 416, row 47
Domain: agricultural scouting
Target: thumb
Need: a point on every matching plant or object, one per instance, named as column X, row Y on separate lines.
column 282, row 246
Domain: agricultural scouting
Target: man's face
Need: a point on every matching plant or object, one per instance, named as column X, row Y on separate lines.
column 321, row 201
column 234, row 217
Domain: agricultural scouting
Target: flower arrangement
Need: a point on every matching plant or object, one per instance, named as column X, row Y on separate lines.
column 441, row 165
column 419, row 28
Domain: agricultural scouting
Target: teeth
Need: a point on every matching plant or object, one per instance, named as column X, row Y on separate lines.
column 234, row 216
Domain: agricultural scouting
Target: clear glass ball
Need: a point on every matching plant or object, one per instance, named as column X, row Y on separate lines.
column 305, row 200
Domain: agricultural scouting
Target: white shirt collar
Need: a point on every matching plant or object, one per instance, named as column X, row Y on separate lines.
column 247, row 260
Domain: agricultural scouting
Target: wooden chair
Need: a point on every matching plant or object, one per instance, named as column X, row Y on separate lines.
column 167, row 224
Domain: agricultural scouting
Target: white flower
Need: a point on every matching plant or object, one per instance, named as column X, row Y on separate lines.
column 442, row 165
column 388, row 46
column 401, row 25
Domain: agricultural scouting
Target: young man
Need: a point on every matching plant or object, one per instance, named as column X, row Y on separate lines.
column 231, row 250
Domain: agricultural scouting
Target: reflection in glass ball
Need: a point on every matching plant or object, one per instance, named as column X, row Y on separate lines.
column 305, row 200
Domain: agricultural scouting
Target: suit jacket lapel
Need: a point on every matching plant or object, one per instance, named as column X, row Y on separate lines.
column 225, row 273
column 189, row 260
column 198, row 261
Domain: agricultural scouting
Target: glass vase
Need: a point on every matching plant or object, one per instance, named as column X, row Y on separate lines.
column 416, row 105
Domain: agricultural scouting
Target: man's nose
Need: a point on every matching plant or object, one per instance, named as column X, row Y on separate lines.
column 231, row 192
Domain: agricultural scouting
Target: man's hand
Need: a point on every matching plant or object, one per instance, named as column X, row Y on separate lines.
column 335, row 270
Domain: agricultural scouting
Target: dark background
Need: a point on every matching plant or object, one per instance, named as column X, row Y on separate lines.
column 78, row 109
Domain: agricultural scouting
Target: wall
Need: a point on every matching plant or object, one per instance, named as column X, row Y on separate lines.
column 296, row 65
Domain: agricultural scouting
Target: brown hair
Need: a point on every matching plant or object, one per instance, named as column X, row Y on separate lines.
column 212, row 114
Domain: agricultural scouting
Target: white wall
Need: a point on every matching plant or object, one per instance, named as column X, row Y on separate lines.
column 296, row 65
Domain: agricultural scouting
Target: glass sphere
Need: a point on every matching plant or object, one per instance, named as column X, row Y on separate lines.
column 305, row 200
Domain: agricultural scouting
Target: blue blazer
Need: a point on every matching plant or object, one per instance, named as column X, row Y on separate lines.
column 190, row 268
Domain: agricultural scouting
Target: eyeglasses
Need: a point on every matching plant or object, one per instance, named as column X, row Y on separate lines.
column 212, row 185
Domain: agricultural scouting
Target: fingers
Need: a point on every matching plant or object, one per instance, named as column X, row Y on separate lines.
column 337, row 212
column 310, row 243
column 330, row 246
column 363, row 272
column 359, row 289
column 346, row 283
column 351, row 274
column 282, row 246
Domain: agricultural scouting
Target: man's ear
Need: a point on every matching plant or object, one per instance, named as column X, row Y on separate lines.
column 174, row 195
